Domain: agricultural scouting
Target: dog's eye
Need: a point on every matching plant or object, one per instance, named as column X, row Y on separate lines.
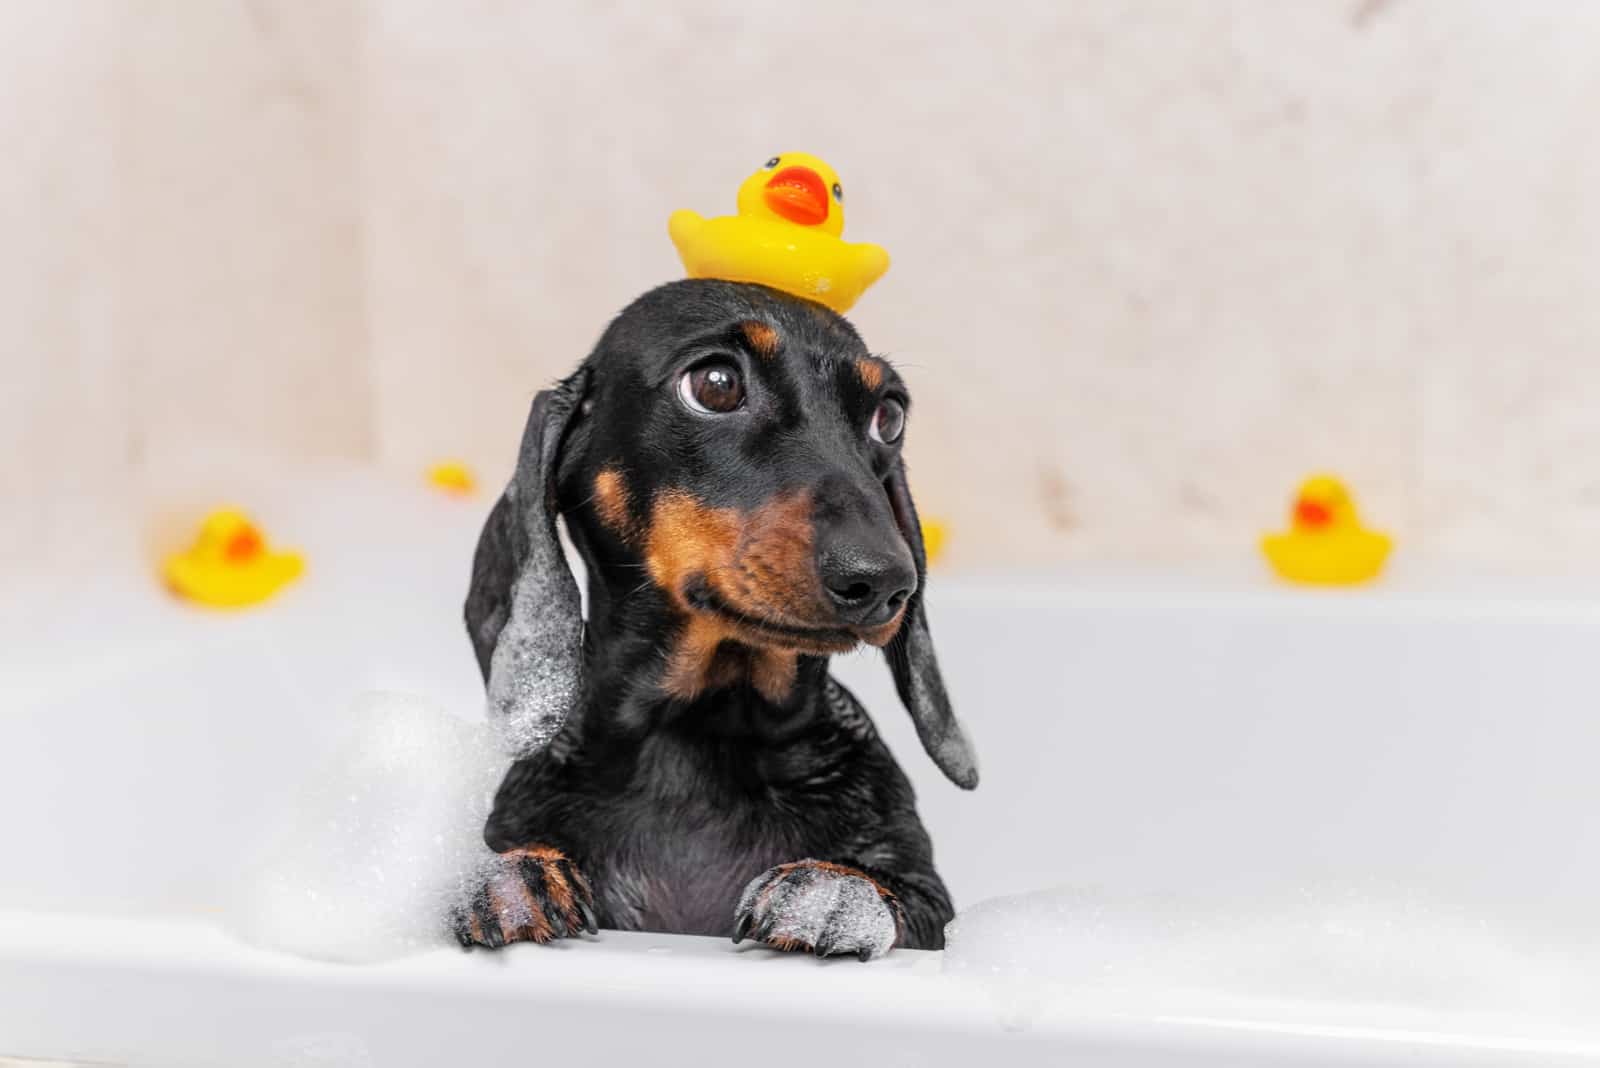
column 888, row 422
column 712, row 388
column 771, row 163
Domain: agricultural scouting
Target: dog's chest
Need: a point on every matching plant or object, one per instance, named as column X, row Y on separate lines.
column 679, row 844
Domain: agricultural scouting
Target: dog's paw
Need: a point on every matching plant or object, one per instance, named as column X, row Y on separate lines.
column 821, row 908
column 533, row 894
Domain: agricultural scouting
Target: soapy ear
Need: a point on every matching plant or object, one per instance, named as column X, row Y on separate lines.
column 912, row 660
column 523, row 612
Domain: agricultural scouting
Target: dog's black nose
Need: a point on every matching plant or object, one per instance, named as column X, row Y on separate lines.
column 867, row 586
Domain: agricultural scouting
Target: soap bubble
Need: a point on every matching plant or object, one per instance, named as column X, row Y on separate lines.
column 370, row 855
column 1320, row 955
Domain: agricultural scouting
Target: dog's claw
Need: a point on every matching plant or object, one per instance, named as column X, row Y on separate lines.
column 494, row 936
column 461, row 927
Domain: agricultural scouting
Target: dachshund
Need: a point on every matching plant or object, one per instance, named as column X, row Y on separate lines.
column 727, row 463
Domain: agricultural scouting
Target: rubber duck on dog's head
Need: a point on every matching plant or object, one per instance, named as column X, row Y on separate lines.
column 786, row 235
column 797, row 188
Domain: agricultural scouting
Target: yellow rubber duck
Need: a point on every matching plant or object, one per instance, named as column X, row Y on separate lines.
column 229, row 564
column 1326, row 545
column 934, row 535
column 453, row 477
column 785, row 235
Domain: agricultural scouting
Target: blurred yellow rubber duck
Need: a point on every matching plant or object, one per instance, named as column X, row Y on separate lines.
column 453, row 477
column 1326, row 545
column 785, row 235
column 934, row 535
column 229, row 564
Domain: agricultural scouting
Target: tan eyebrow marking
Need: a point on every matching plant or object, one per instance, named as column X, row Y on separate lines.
column 870, row 371
column 763, row 339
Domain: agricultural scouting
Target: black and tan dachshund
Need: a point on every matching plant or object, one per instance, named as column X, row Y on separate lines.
column 728, row 464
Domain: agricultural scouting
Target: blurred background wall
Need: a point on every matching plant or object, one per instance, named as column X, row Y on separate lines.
column 1153, row 261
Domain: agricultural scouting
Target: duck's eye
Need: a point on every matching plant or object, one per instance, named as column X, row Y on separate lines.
column 712, row 388
column 888, row 422
column 771, row 163
column 838, row 194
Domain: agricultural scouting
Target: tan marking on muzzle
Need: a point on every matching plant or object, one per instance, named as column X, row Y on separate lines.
column 761, row 566
column 686, row 538
column 776, row 561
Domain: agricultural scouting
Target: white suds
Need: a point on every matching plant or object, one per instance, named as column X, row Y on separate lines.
column 1334, row 948
column 536, row 671
column 372, row 852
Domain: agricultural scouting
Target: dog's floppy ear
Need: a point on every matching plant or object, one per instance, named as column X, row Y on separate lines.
column 523, row 611
column 912, row 661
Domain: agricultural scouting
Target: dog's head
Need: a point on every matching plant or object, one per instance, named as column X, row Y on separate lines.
column 728, row 462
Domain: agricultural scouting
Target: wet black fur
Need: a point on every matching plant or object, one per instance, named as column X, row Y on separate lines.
column 668, row 806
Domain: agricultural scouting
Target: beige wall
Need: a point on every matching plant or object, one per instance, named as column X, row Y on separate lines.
column 181, row 276
column 1153, row 261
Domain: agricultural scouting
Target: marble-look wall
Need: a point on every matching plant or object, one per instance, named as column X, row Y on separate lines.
column 181, row 271
column 1153, row 260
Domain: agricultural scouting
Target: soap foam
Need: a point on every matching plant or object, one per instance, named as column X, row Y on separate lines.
column 382, row 841
column 1343, row 950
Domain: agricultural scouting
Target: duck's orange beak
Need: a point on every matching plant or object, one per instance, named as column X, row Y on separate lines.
column 799, row 195
column 1311, row 514
column 244, row 546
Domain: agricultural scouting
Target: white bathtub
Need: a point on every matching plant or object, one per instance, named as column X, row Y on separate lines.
column 1230, row 741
